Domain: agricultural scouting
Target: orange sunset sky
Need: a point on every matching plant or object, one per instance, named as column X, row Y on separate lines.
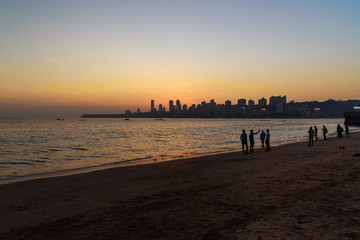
column 66, row 58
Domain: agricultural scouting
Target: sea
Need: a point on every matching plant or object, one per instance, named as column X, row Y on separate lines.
column 33, row 148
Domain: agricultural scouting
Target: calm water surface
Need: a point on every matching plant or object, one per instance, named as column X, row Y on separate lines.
column 33, row 147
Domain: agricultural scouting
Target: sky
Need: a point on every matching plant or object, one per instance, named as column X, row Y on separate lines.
column 66, row 58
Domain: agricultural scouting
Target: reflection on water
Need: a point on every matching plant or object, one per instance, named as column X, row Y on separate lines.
column 29, row 147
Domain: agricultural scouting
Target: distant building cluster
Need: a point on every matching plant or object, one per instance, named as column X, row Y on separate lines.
column 277, row 107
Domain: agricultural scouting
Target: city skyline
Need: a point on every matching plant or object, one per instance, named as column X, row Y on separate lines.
column 276, row 107
column 273, row 100
column 68, row 57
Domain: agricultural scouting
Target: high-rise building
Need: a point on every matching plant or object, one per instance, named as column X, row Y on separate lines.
column 251, row 103
column 279, row 108
column 160, row 108
column 171, row 106
column 178, row 105
column 212, row 105
column 275, row 100
column 228, row 103
column 241, row 102
column 185, row 107
column 152, row 106
column 262, row 102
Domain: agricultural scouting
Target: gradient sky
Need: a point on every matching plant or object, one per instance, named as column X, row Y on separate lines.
column 65, row 58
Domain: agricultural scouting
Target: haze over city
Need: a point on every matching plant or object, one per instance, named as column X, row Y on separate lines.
column 66, row 58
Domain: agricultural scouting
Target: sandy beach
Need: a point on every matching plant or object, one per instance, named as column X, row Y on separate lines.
column 292, row 192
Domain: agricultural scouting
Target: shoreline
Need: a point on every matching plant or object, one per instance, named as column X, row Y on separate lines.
column 153, row 160
column 124, row 164
column 292, row 192
column 189, row 153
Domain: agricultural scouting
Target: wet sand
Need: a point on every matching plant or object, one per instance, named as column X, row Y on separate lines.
column 292, row 192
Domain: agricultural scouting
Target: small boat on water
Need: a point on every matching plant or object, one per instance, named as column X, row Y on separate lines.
column 59, row 119
column 126, row 119
column 159, row 119
column 353, row 118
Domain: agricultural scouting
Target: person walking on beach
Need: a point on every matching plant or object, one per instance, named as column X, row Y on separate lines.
column 244, row 144
column 251, row 139
column 324, row 130
column 262, row 138
column 311, row 136
column 316, row 132
column 339, row 130
column 347, row 133
column 267, row 140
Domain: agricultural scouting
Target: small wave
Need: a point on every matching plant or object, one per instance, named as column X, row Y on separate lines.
column 38, row 161
column 39, row 151
column 53, row 150
column 226, row 148
column 16, row 163
column 128, row 160
column 79, row 148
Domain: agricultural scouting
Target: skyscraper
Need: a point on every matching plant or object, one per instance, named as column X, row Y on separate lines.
column 227, row 103
column 279, row 108
column 251, row 103
column 152, row 106
column 275, row 100
column 262, row 102
column 241, row 102
column 178, row 105
column 171, row 106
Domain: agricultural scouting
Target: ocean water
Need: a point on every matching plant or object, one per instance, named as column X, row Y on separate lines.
column 37, row 147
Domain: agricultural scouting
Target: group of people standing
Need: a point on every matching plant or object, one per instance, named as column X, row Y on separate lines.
column 264, row 137
column 313, row 133
column 340, row 131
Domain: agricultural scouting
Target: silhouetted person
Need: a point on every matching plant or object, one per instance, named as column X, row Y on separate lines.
column 262, row 138
column 324, row 130
column 251, row 139
column 244, row 144
column 316, row 132
column 339, row 130
column 267, row 140
column 311, row 136
column 347, row 133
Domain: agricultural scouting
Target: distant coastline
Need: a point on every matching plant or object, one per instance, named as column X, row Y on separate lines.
column 277, row 108
column 156, row 117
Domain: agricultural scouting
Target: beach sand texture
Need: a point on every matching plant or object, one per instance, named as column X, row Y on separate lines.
column 292, row 192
